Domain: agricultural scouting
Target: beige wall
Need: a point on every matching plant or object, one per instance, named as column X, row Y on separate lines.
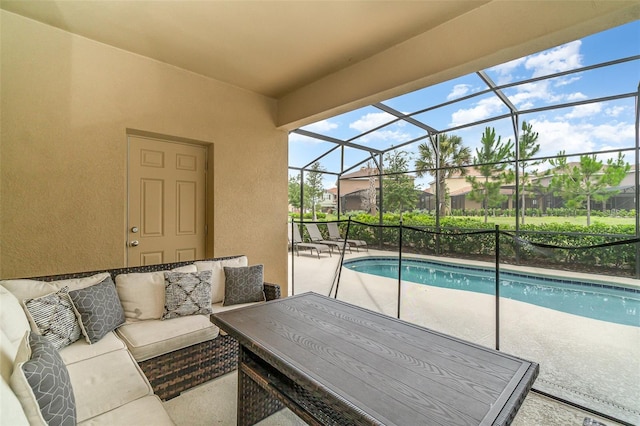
column 67, row 103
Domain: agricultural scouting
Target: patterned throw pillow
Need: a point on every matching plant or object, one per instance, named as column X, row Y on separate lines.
column 243, row 285
column 54, row 318
column 99, row 308
column 187, row 293
column 41, row 382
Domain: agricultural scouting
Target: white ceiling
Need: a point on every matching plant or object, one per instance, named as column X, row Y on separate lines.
column 319, row 57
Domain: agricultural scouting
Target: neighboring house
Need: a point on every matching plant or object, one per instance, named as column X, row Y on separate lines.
column 329, row 203
column 459, row 189
column 354, row 190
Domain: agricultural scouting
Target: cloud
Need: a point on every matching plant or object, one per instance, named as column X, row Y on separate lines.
column 321, row 126
column 556, row 135
column 582, row 111
column 578, row 96
column 295, row 137
column 483, row 109
column 386, row 136
column 459, row 90
column 371, row 120
column 614, row 111
column 561, row 58
column 504, row 71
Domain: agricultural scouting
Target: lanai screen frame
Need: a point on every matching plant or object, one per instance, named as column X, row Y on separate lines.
column 514, row 114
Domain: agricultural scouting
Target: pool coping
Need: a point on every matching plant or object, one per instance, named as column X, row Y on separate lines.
column 551, row 275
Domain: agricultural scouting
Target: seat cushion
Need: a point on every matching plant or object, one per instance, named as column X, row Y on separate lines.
column 148, row 339
column 143, row 411
column 81, row 350
column 106, row 382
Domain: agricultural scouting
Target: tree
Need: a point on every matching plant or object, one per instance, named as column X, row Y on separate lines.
column 294, row 192
column 493, row 172
column 580, row 183
column 448, row 154
column 369, row 197
column 399, row 191
column 314, row 186
column 527, row 148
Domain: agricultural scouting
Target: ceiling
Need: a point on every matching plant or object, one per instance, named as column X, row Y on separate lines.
column 320, row 56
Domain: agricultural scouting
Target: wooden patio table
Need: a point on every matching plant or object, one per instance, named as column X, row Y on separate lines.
column 331, row 362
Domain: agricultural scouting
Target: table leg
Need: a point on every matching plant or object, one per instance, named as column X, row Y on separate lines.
column 254, row 402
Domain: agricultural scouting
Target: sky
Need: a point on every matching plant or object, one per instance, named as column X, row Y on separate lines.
column 579, row 129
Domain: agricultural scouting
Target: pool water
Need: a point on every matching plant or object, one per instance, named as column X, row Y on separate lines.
column 592, row 300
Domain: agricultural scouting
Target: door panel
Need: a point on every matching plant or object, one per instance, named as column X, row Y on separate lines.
column 166, row 201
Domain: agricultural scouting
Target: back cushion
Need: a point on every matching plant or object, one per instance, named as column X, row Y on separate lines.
column 31, row 289
column 13, row 325
column 142, row 293
column 217, row 274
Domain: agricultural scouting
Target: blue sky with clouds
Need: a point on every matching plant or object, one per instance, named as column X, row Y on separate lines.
column 584, row 128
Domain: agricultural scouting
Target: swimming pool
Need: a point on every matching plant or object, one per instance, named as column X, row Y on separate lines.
column 588, row 299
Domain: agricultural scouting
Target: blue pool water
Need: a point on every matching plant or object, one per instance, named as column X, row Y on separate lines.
column 592, row 300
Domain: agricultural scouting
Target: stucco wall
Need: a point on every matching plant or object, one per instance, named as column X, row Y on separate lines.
column 67, row 103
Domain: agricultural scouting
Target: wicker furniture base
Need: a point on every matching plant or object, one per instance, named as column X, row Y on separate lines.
column 172, row 373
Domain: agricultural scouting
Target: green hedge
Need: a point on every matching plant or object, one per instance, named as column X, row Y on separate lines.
column 455, row 242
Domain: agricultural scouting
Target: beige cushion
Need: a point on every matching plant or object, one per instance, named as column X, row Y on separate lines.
column 11, row 411
column 141, row 412
column 148, row 339
column 142, row 294
column 217, row 276
column 81, row 350
column 106, row 382
column 14, row 325
column 30, row 289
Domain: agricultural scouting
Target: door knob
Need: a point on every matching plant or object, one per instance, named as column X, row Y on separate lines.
column 134, row 243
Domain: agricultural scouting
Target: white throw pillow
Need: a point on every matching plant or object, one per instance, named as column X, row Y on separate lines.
column 142, row 293
column 217, row 274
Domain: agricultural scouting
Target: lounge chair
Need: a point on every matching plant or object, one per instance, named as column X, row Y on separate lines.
column 296, row 242
column 334, row 234
column 316, row 237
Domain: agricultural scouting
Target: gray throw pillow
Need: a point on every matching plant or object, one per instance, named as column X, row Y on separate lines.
column 54, row 318
column 187, row 293
column 99, row 308
column 243, row 285
column 43, row 382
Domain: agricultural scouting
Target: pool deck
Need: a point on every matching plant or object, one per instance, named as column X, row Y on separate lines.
column 591, row 362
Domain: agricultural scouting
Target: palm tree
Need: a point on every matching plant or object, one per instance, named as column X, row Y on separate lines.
column 448, row 154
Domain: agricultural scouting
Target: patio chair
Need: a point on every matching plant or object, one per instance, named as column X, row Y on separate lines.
column 316, row 237
column 297, row 243
column 334, row 234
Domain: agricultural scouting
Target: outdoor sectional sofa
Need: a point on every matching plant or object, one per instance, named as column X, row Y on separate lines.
column 122, row 375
